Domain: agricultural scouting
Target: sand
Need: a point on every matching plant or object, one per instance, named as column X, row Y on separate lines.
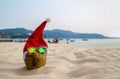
column 64, row 61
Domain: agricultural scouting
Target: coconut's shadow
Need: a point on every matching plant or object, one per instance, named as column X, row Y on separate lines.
column 24, row 71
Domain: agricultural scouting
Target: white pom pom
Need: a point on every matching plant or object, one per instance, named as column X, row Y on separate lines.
column 48, row 20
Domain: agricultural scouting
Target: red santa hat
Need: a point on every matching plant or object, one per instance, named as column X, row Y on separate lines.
column 36, row 39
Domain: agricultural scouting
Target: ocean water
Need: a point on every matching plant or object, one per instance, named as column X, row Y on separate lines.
column 90, row 41
column 83, row 42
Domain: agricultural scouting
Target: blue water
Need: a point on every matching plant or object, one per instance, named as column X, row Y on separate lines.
column 91, row 41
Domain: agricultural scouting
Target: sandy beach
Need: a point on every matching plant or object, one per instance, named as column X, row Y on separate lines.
column 64, row 61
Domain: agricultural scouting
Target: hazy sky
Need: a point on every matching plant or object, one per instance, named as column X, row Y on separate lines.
column 83, row 16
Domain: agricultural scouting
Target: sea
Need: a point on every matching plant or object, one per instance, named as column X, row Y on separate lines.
column 80, row 41
column 89, row 41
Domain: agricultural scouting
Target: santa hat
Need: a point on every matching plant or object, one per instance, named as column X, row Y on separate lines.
column 36, row 39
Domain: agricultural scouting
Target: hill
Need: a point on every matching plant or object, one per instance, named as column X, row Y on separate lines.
column 70, row 34
column 23, row 33
column 16, row 31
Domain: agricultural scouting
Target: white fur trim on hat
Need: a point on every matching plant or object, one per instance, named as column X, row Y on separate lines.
column 24, row 55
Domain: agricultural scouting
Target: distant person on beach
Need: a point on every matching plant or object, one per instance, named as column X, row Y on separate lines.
column 35, row 49
column 67, row 41
column 55, row 40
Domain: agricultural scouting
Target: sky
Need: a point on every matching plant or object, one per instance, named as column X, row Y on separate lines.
column 82, row 16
